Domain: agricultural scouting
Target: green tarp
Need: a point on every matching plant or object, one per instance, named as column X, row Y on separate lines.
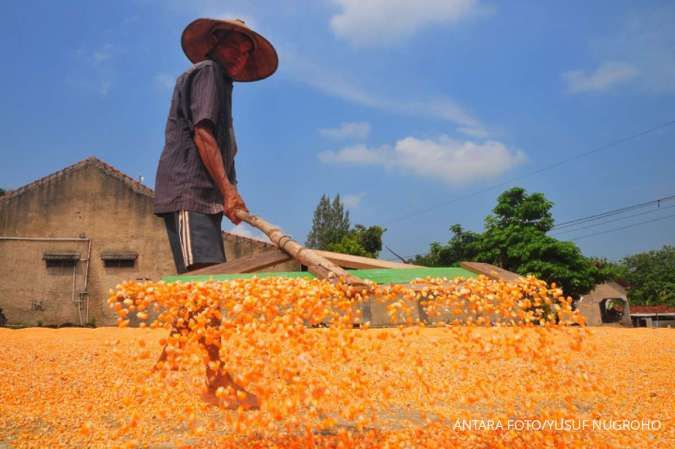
column 380, row 276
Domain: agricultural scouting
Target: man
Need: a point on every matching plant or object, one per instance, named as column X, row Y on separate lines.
column 196, row 179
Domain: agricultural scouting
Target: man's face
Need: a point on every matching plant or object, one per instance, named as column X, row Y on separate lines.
column 234, row 52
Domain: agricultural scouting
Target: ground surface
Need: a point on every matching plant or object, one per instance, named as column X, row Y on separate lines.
column 79, row 387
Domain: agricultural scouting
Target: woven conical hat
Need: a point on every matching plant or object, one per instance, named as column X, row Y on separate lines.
column 196, row 42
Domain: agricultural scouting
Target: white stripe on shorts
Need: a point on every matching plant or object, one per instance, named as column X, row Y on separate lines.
column 181, row 238
column 188, row 241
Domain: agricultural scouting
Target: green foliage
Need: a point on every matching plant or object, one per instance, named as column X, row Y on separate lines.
column 516, row 207
column 329, row 225
column 608, row 270
column 360, row 241
column 651, row 276
column 462, row 246
column 515, row 239
column 525, row 250
column 349, row 244
column 331, row 231
column 2, row 191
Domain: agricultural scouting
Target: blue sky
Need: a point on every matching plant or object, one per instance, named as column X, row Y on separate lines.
column 399, row 106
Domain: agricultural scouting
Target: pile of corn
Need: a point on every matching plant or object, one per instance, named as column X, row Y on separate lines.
column 492, row 357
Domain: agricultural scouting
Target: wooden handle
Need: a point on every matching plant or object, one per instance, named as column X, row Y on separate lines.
column 316, row 264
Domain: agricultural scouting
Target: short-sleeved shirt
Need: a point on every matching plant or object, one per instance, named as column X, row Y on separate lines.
column 204, row 92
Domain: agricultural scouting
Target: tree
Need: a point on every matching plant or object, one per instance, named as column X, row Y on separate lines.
column 651, row 276
column 615, row 271
column 331, row 231
column 2, row 191
column 462, row 246
column 516, row 207
column 370, row 238
column 360, row 241
column 329, row 225
column 515, row 239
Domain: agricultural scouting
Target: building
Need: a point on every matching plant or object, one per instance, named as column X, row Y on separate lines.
column 653, row 316
column 606, row 304
column 69, row 237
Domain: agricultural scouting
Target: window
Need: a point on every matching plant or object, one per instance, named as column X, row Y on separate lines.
column 120, row 263
column 119, row 259
column 61, row 259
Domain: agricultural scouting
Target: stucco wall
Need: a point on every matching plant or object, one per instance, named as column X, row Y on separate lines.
column 88, row 202
column 589, row 305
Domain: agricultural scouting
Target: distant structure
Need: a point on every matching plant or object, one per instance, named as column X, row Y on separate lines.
column 653, row 316
column 69, row 237
column 606, row 304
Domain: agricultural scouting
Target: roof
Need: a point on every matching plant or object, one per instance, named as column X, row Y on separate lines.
column 88, row 162
column 491, row 271
column 237, row 236
column 360, row 262
column 659, row 308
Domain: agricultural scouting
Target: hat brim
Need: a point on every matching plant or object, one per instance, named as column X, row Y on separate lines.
column 196, row 43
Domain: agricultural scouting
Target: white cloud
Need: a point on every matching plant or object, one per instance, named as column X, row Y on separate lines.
column 164, row 81
column 605, row 77
column 102, row 54
column 352, row 201
column 337, row 84
column 94, row 69
column 443, row 108
column 326, row 80
column 645, row 45
column 104, row 87
column 347, row 130
column 445, row 159
column 369, row 23
column 477, row 132
column 245, row 230
column 357, row 154
column 230, row 15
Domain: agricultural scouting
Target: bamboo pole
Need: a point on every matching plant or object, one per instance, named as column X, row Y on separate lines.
column 316, row 264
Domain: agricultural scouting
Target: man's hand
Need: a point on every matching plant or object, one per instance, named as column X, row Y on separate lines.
column 231, row 203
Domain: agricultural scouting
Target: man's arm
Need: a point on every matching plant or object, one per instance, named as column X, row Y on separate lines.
column 212, row 158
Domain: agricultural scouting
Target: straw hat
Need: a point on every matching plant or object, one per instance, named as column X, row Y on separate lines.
column 196, row 42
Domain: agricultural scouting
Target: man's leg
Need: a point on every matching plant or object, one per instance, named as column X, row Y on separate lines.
column 233, row 395
column 206, row 245
column 196, row 242
column 173, row 233
column 177, row 227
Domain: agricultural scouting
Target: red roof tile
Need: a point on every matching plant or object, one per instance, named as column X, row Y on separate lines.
column 659, row 308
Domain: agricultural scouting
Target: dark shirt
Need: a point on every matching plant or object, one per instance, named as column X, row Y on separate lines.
column 204, row 92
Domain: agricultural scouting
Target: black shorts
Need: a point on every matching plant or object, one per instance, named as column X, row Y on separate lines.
column 195, row 239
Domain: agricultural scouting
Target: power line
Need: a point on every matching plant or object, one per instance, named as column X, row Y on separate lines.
column 607, row 222
column 394, row 253
column 623, row 227
column 564, row 231
column 583, row 220
column 534, row 172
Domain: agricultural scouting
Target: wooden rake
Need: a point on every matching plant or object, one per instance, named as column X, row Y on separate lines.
column 319, row 266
